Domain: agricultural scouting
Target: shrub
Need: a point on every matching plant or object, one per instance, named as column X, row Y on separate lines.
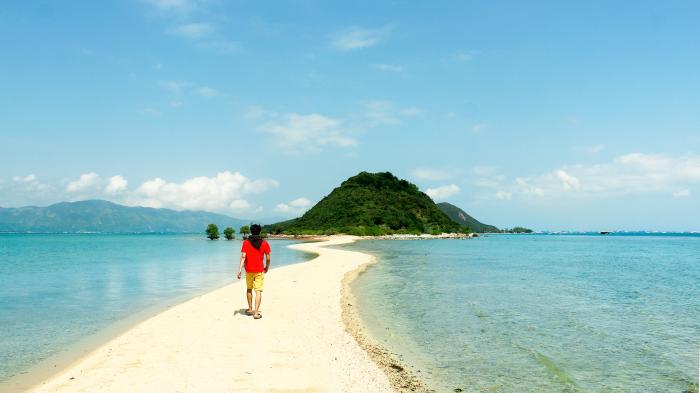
column 212, row 231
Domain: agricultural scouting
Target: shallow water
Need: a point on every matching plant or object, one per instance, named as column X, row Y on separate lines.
column 536, row 313
column 55, row 290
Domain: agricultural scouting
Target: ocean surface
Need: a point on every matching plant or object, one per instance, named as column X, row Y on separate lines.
column 56, row 290
column 539, row 313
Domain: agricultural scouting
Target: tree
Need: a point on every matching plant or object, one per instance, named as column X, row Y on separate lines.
column 245, row 230
column 228, row 232
column 212, row 231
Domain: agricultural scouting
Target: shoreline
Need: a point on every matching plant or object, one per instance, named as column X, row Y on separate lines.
column 53, row 364
column 398, row 372
column 212, row 332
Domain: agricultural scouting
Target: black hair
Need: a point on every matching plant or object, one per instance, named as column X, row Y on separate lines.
column 255, row 239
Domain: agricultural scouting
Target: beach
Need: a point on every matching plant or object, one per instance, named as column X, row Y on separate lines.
column 209, row 344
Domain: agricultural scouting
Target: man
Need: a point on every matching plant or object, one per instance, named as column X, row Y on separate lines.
column 252, row 252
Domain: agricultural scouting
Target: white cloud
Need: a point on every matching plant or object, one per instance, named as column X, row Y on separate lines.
column 299, row 133
column 296, row 207
column 357, row 38
column 24, row 179
column 504, row 194
column 116, row 184
column 442, row 193
column 205, row 91
column 465, row 56
column 30, row 182
column 179, row 88
column 173, row 86
column 192, row 30
column 389, row 67
column 635, row 173
column 567, row 180
column 224, row 192
column 300, row 202
column 172, row 4
column 681, row 194
column 431, row 174
column 411, row 111
column 86, row 181
column 595, row 149
column 382, row 113
column 477, row 128
column 151, row 112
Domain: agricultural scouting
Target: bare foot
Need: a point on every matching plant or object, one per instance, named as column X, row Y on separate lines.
column 249, row 312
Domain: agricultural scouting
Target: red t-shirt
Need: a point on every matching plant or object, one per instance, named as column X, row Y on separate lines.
column 254, row 257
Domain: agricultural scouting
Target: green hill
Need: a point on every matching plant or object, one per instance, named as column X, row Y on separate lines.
column 107, row 217
column 462, row 218
column 371, row 204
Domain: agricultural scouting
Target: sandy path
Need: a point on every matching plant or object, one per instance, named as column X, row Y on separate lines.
column 207, row 345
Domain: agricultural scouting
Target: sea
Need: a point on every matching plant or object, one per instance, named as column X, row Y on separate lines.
column 539, row 313
column 60, row 292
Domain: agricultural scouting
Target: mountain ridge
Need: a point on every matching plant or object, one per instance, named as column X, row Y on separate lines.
column 461, row 217
column 102, row 216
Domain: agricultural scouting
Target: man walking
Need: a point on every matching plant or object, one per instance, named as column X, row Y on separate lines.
column 252, row 252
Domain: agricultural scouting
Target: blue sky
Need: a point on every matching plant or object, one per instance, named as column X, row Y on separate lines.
column 553, row 115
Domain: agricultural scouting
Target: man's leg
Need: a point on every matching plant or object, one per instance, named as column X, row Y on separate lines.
column 249, row 295
column 258, row 299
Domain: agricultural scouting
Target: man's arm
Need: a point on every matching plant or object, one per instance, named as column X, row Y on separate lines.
column 240, row 266
column 267, row 261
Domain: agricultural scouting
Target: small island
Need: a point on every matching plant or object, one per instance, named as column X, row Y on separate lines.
column 380, row 204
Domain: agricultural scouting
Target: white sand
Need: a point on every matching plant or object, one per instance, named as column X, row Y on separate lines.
column 207, row 345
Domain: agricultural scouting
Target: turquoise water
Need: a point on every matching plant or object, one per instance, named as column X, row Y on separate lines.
column 539, row 313
column 56, row 290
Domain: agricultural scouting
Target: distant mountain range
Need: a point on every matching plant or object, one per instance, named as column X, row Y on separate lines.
column 108, row 217
column 462, row 218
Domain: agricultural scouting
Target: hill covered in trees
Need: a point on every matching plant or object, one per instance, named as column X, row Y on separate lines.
column 462, row 218
column 107, row 217
column 371, row 204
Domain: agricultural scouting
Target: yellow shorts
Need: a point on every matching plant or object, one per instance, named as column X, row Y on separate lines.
column 255, row 281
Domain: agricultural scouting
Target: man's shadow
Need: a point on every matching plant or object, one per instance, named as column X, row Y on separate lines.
column 241, row 311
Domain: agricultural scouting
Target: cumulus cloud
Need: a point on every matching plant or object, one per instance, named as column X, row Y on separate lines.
column 295, row 207
column 224, row 192
column 296, row 133
column 86, row 181
column 568, row 181
column 24, row 179
column 357, row 38
column 444, row 192
column 116, row 184
column 634, row 173
column 30, row 182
